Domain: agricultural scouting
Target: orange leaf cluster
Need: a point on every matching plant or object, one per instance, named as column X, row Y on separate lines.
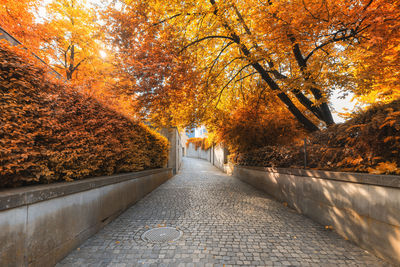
column 255, row 125
column 202, row 143
column 50, row 132
column 370, row 142
column 18, row 19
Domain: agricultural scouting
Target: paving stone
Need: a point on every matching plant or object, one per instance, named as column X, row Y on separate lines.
column 224, row 222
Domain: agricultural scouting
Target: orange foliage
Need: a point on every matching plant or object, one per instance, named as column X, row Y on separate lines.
column 150, row 66
column 198, row 142
column 253, row 126
column 18, row 19
column 50, row 132
column 377, row 58
column 370, row 142
column 75, row 41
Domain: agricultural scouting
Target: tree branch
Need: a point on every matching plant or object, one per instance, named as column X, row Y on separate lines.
column 80, row 62
column 206, row 38
column 227, row 84
column 164, row 20
column 219, row 55
column 308, row 124
column 222, row 70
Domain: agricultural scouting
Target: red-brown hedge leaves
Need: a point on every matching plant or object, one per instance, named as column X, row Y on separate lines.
column 370, row 142
column 50, row 132
column 255, row 126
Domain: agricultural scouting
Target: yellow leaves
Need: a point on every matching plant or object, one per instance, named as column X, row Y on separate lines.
column 355, row 162
column 389, row 138
column 385, row 168
column 75, row 39
column 387, row 123
column 203, row 143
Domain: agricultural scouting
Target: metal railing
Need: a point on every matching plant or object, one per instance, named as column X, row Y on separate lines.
column 4, row 35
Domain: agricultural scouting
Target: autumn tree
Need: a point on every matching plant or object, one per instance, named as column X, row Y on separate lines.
column 376, row 60
column 18, row 19
column 150, row 68
column 251, row 124
column 287, row 47
column 75, row 40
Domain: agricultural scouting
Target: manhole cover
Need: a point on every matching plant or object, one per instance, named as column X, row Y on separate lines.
column 162, row 234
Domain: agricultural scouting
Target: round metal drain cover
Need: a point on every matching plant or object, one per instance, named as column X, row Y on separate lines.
column 162, row 234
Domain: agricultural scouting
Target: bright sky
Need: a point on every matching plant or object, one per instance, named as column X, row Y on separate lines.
column 341, row 105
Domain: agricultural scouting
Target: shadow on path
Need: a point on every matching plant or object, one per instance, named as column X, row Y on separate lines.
column 224, row 222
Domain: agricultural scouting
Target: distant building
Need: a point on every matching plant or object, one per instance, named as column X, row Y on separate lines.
column 201, row 132
column 191, row 133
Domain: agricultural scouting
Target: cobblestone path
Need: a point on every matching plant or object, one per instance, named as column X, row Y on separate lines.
column 224, row 222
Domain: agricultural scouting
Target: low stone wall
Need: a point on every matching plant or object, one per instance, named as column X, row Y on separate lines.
column 217, row 155
column 192, row 152
column 39, row 225
column 361, row 207
column 175, row 154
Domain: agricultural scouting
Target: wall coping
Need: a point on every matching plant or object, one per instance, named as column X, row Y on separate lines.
column 359, row 178
column 16, row 197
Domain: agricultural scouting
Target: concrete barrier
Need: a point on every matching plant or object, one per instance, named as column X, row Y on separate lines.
column 217, row 155
column 363, row 208
column 192, row 152
column 175, row 154
column 40, row 225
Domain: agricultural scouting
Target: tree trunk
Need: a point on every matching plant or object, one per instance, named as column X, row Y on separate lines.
column 71, row 68
column 323, row 109
column 308, row 124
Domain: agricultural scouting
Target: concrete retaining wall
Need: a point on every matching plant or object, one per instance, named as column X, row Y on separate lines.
column 216, row 155
column 175, row 148
column 219, row 158
column 361, row 207
column 191, row 152
column 39, row 225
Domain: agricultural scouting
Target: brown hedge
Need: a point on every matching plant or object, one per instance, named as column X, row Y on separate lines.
column 370, row 142
column 50, row 132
